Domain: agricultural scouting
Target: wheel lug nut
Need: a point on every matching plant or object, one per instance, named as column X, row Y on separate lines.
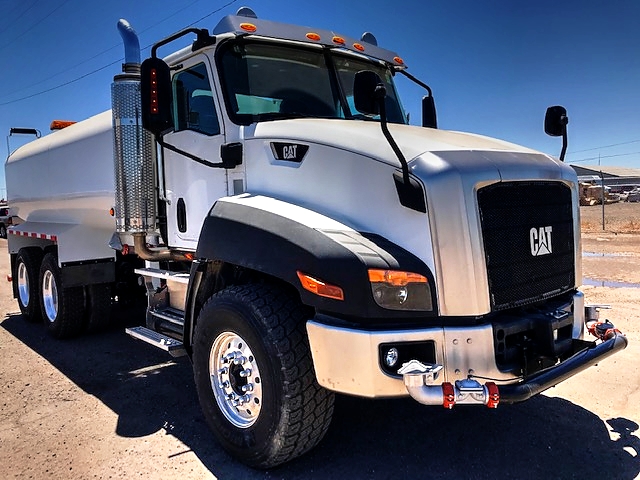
column 245, row 399
column 248, row 387
column 239, row 360
column 245, row 373
column 223, row 371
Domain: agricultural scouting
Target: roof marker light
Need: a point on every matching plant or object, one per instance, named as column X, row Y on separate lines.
column 358, row 46
column 398, row 60
column 248, row 27
column 320, row 288
column 338, row 40
column 313, row 36
column 60, row 124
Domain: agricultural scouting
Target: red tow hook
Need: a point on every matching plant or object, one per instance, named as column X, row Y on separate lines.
column 494, row 395
column 603, row 330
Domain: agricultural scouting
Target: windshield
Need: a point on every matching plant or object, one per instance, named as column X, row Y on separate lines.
column 264, row 81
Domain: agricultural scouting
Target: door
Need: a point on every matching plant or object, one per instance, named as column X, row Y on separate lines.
column 191, row 187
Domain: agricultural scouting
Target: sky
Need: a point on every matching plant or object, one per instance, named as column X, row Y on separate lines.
column 494, row 65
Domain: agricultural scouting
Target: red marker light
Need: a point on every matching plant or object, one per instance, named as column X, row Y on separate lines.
column 358, row 46
column 313, row 36
column 154, row 91
column 338, row 40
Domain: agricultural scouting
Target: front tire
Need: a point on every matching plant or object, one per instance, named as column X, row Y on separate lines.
column 62, row 308
column 254, row 375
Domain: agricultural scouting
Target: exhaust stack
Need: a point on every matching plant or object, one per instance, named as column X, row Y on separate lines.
column 134, row 148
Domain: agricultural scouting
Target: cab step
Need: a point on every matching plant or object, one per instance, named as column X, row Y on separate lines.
column 174, row 347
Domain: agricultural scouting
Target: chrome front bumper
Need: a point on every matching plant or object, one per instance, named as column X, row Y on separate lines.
column 347, row 360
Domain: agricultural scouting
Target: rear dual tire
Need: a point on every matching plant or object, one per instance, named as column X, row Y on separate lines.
column 26, row 274
column 63, row 308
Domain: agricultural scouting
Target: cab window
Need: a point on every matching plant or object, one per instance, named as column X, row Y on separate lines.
column 194, row 108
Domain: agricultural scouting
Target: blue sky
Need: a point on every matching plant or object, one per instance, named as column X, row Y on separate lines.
column 494, row 66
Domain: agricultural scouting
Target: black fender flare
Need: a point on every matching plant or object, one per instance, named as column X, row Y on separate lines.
column 279, row 246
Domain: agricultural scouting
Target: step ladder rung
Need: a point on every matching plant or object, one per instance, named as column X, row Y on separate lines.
column 163, row 342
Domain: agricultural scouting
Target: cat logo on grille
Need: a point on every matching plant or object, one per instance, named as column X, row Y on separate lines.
column 540, row 241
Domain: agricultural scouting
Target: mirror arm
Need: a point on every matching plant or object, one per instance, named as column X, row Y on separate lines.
column 201, row 161
column 410, row 193
column 202, row 39
column 416, row 81
column 565, row 121
column 390, row 139
column 564, row 144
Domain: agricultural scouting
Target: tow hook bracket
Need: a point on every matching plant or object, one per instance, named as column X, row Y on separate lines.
column 420, row 380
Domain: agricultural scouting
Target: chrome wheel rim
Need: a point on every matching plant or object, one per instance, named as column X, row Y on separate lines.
column 23, row 284
column 50, row 296
column 235, row 379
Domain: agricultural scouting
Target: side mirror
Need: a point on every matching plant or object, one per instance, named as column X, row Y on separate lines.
column 555, row 121
column 156, row 97
column 429, row 118
column 555, row 124
column 368, row 89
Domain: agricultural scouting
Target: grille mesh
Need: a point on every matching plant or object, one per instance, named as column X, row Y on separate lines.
column 508, row 212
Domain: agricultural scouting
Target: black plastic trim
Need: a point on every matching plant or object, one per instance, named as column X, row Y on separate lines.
column 278, row 246
column 82, row 273
column 582, row 360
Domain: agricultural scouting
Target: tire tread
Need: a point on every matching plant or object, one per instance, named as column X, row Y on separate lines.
column 307, row 407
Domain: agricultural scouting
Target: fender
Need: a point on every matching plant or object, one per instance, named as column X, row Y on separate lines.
column 84, row 255
column 278, row 239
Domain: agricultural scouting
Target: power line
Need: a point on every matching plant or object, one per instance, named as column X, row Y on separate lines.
column 61, row 85
column 118, row 45
column 603, row 156
column 35, row 24
column 22, row 14
column 112, row 63
column 604, row 146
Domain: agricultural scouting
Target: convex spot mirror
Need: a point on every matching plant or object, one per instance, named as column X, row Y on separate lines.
column 155, row 91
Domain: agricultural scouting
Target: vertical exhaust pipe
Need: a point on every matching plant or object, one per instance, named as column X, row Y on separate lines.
column 134, row 148
column 131, row 47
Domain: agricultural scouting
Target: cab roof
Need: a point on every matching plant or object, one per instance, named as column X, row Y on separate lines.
column 249, row 25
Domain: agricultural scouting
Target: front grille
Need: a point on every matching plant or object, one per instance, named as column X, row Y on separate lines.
column 527, row 230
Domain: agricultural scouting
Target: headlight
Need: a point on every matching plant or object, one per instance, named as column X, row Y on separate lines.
column 396, row 290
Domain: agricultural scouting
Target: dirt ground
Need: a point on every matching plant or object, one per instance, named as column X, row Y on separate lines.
column 107, row 406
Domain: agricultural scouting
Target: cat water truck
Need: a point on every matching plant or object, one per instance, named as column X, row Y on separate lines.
column 297, row 238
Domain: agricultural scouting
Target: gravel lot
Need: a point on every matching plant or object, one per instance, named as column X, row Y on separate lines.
column 107, row 406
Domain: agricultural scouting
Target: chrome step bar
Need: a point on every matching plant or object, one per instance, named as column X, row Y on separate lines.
column 174, row 347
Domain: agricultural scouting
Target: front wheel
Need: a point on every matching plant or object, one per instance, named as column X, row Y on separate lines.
column 255, row 378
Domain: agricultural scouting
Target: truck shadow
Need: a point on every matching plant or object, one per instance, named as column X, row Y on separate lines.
column 542, row 438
